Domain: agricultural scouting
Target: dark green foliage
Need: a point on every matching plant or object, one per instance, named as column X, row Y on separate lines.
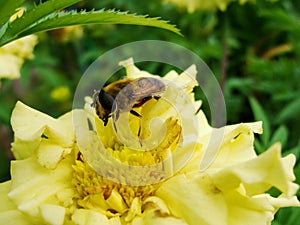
column 46, row 16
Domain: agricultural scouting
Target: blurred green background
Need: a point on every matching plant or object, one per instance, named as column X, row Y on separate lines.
column 253, row 50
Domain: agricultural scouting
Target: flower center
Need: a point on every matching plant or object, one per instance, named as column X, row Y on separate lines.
column 110, row 197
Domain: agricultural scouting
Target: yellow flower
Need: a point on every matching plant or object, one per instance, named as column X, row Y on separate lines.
column 68, row 34
column 12, row 55
column 204, row 5
column 60, row 94
column 75, row 170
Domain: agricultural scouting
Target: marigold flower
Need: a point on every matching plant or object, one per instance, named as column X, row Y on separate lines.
column 60, row 94
column 65, row 169
column 213, row 5
column 68, row 34
column 12, row 55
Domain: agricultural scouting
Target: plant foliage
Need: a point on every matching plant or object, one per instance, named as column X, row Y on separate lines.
column 45, row 16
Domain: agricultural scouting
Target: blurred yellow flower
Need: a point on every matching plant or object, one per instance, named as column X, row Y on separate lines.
column 61, row 93
column 204, row 5
column 13, row 54
column 68, row 34
column 63, row 176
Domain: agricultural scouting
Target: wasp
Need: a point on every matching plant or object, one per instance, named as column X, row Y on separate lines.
column 125, row 95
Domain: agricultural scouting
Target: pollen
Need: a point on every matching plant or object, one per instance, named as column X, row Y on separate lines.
column 92, row 190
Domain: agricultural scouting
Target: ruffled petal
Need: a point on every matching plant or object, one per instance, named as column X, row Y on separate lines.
column 155, row 211
column 132, row 71
column 9, row 213
column 31, row 187
column 49, row 155
column 23, row 149
column 14, row 217
column 53, row 214
column 89, row 217
column 38, row 124
column 10, row 66
column 6, row 203
column 260, row 174
column 228, row 145
column 152, row 217
column 195, row 202
column 12, row 56
column 29, row 132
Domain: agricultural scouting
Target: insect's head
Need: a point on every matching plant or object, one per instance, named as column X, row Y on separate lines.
column 103, row 103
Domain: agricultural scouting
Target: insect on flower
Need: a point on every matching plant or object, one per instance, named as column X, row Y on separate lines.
column 124, row 95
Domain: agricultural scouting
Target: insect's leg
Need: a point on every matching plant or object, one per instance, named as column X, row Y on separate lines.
column 156, row 97
column 135, row 113
column 140, row 127
column 139, row 116
column 139, row 131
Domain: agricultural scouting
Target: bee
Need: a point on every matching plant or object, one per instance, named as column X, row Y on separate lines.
column 125, row 95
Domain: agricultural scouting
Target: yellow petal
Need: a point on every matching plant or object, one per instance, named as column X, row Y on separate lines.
column 195, row 202
column 31, row 187
column 6, row 203
column 153, row 217
column 115, row 221
column 89, row 217
column 14, row 217
column 12, row 56
column 155, row 211
column 156, row 203
column 260, row 173
column 49, row 155
column 10, row 66
column 9, row 214
column 115, row 201
column 135, row 209
column 30, row 124
column 246, row 210
column 228, row 145
column 259, row 209
column 53, row 214
column 187, row 79
column 283, row 201
column 22, row 47
column 24, row 149
column 132, row 71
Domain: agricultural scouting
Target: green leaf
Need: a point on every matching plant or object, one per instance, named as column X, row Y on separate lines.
column 30, row 17
column 289, row 216
column 258, row 146
column 7, row 9
column 290, row 111
column 280, row 20
column 280, row 135
column 275, row 222
column 63, row 19
column 259, row 114
column 295, row 150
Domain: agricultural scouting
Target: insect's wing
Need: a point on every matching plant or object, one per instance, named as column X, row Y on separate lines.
column 145, row 87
